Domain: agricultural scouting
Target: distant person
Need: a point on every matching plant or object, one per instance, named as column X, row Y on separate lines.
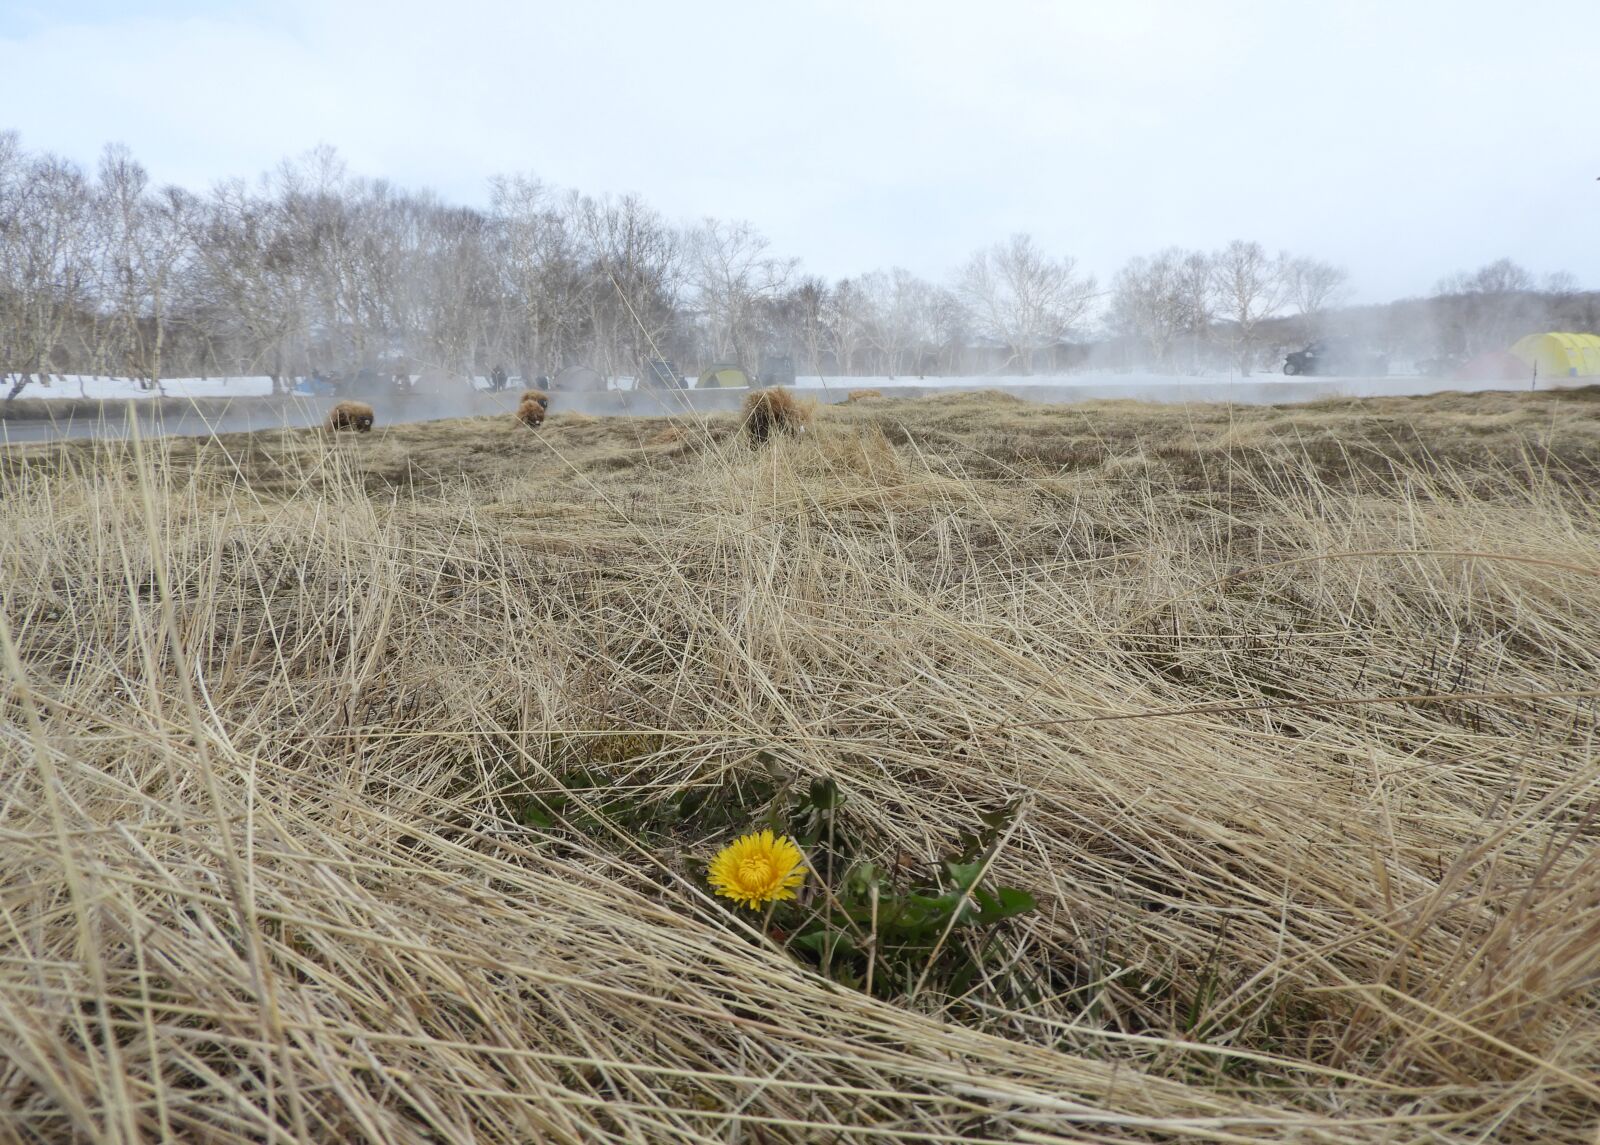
column 542, row 382
column 497, row 378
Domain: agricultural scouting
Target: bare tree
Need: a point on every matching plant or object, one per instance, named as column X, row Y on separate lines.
column 797, row 322
column 637, row 260
column 355, row 244
column 1311, row 285
column 1499, row 277
column 453, row 288
column 897, row 309
column 540, row 257
column 1156, row 301
column 1562, row 284
column 1023, row 298
column 1195, row 298
column 313, row 199
column 314, row 268
column 949, row 330
column 252, row 287
column 1248, row 287
column 1492, row 305
column 733, row 274
column 847, row 315
column 1129, row 314
column 46, row 266
column 146, row 244
column 812, row 297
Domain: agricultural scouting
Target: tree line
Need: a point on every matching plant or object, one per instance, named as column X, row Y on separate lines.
column 310, row 269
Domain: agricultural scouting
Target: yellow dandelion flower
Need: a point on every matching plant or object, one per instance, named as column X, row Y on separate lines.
column 754, row 869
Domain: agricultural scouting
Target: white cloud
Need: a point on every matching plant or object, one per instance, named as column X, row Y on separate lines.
column 1403, row 140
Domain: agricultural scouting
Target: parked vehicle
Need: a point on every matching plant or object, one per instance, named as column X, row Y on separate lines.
column 316, row 385
column 367, row 382
column 1336, row 356
column 776, row 370
column 1444, row 366
column 660, row 374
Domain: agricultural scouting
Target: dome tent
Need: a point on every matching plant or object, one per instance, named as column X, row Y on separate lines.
column 1560, row 355
column 722, row 376
column 579, row 378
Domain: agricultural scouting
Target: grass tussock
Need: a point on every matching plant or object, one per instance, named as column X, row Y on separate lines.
column 363, row 788
column 774, row 412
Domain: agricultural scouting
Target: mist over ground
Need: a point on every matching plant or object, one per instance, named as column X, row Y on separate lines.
column 315, row 273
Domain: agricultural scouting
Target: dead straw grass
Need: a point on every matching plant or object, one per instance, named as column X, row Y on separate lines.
column 268, row 702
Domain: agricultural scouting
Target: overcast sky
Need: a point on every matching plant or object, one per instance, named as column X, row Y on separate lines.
column 1400, row 138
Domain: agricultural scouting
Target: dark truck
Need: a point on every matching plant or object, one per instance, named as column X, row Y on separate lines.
column 661, row 374
column 776, row 370
column 1336, row 356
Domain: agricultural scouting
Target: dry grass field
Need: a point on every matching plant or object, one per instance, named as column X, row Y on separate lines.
column 1164, row 774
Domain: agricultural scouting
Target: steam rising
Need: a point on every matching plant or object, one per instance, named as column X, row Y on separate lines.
column 315, row 273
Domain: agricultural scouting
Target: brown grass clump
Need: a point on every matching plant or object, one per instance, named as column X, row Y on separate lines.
column 533, row 407
column 862, row 395
column 364, row 794
column 770, row 412
column 357, row 416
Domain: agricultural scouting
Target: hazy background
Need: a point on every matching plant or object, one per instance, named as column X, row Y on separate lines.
column 1399, row 140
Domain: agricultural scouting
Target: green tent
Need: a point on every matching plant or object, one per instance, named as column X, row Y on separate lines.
column 722, row 377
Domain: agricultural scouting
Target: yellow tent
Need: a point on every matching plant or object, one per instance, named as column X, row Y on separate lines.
column 723, row 375
column 1561, row 355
